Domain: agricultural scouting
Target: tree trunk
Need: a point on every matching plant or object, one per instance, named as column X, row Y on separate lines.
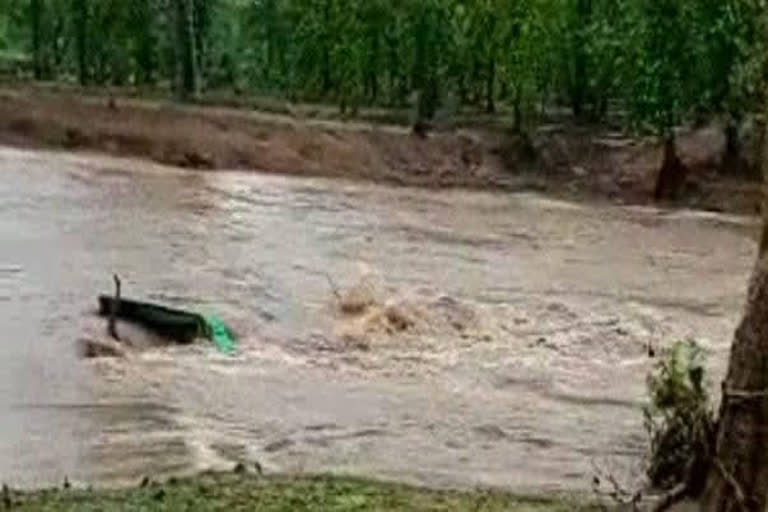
column 81, row 12
column 145, row 46
column 517, row 120
column 373, row 67
column 36, row 21
column 186, row 62
column 733, row 162
column 738, row 478
column 326, row 50
column 672, row 174
column 580, row 81
column 201, row 10
column 490, row 104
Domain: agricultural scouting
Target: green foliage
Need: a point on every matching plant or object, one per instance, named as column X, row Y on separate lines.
column 679, row 419
column 659, row 60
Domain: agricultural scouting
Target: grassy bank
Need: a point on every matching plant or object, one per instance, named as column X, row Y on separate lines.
column 281, row 493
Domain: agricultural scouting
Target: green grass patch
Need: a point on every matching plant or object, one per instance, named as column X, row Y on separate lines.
column 230, row 492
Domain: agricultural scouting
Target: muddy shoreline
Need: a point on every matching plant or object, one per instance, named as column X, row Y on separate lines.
column 583, row 163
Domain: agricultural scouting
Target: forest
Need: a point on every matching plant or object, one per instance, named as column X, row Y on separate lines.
column 657, row 63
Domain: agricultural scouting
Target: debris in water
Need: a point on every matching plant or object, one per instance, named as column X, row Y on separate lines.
column 165, row 325
column 366, row 317
column 91, row 348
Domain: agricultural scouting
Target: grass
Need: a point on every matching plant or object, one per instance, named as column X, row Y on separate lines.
column 230, row 492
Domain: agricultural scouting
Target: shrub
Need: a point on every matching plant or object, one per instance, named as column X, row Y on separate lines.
column 679, row 419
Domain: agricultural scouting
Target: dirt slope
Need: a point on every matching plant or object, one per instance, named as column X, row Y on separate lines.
column 563, row 160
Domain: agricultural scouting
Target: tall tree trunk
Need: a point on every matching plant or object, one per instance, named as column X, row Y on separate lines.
column 326, row 50
column 580, row 80
column 269, row 11
column 81, row 13
column 425, row 68
column 733, row 162
column 738, row 478
column 186, row 62
column 672, row 174
column 36, row 21
column 201, row 10
column 145, row 46
column 517, row 122
column 373, row 66
column 490, row 104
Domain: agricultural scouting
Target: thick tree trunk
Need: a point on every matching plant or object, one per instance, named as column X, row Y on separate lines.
column 186, row 62
column 738, row 478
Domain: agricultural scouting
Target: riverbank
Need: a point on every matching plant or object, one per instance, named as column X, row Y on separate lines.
column 278, row 493
column 561, row 159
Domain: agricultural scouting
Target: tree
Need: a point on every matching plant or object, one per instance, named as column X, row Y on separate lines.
column 664, row 92
column 425, row 27
column 730, row 39
column 80, row 9
column 578, row 83
column 186, row 61
column 144, row 41
column 738, row 478
column 36, row 24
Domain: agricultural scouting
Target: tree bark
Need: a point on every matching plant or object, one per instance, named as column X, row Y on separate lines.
column 738, row 478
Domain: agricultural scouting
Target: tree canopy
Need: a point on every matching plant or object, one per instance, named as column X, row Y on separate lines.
column 657, row 61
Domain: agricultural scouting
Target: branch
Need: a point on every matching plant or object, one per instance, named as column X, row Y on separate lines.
column 334, row 288
column 731, row 481
column 743, row 394
column 671, row 497
column 618, row 493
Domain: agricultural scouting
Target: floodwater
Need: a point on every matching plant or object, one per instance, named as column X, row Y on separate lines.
column 524, row 367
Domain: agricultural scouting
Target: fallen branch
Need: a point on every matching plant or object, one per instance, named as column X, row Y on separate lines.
column 670, row 498
column 730, row 480
column 617, row 493
column 334, row 288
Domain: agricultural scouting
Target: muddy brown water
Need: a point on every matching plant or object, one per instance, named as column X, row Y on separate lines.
column 564, row 300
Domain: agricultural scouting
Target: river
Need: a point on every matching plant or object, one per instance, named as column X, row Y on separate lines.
column 526, row 363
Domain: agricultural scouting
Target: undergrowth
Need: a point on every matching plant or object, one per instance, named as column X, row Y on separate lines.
column 679, row 419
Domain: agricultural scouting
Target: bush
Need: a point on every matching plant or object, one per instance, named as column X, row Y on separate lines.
column 679, row 420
